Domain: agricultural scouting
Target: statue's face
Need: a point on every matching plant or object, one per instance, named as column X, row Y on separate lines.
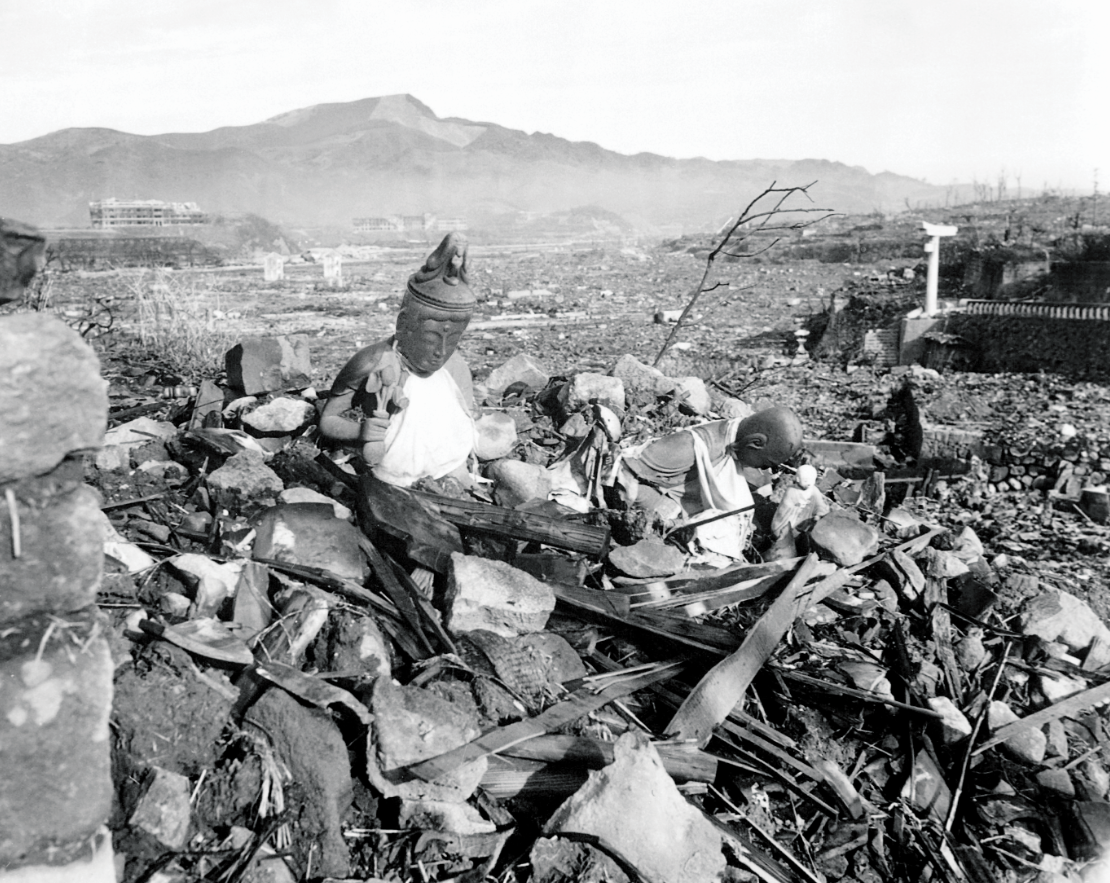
column 428, row 341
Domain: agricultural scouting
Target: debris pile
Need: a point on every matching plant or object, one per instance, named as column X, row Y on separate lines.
column 322, row 676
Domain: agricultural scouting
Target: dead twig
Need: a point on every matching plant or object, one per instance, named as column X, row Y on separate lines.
column 756, row 222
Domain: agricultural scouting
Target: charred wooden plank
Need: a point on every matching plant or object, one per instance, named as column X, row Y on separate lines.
column 561, row 533
column 428, row 539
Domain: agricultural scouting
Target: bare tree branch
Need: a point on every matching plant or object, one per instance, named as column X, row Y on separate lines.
column 757, row 222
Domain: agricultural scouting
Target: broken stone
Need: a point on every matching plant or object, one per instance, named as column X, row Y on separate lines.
column 954, row 725
column 646, row 559
column 492, row 595
column 843, row 539
column 210, row 400
column 633, row 808
column 164, row 810
column 1057, row 686
column 356, row 644
column 521, row 368
column 638, row 377
column 309, row 744
column 1095, row 777
column 1056, row 782
column 43, row 360
column 113, row 458
column 582, row 389
column 197, row 522
column 412, row 724
column 268, row 364
column 693, row 395
column 1057, row 737
column 968, row 547
column 516, row 482
column 138, row 432
column 1057, row 615
column 943, row 565
column 212, row 582
column 1028, row 745
column 96, row 863
column 496, row 436
column 970, row 651
column 54, row 751
column 253, row 610
column 307, row 495
column 578, row 426
column 174, row 605
column 926, row 789
column 1089, row 835
column 310, row 535
column 732, row 409
column 280, row 416
column 902, row 524
column 885, row 594
column 173, row 474
column 61, row 561
column 867, row 676
column 244, row 479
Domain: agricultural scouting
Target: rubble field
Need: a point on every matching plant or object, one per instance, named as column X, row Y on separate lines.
column 317, row 678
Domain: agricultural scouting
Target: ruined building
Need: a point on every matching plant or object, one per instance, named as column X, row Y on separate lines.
column 143, row 213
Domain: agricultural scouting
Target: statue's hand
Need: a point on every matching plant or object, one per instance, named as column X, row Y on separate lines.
column 371, row 435
column 386, row 382
column 373, row 428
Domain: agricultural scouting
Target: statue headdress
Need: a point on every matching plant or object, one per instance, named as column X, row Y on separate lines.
column 441, row 284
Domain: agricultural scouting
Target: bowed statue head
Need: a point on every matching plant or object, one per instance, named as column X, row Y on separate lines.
column 436, row 308
column 767, row 439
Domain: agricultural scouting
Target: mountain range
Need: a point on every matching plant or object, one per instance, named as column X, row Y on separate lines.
column 330, row 163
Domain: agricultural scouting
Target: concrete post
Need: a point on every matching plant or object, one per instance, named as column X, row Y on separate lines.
column 333, row 267
column 273, row 268
column 932, row 248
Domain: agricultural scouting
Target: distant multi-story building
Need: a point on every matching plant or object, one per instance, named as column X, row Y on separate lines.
column 446, row 224
column 402, row 223
column 376, row 225
column 144, row 213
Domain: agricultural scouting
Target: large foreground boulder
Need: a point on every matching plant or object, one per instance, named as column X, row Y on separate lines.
column 52, row 397
column 633, row 809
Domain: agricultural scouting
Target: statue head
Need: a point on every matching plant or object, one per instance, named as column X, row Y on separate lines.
column 806, row 476
column 767, row 439
column 436, row 308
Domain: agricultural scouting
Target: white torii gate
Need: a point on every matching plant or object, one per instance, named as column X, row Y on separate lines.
column 932, row 248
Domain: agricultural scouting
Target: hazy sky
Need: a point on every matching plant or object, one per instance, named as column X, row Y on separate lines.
column 949, row 90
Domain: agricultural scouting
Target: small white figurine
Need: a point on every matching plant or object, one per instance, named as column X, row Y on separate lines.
column 801, row 506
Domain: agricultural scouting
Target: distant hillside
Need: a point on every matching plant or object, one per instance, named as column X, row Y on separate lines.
column 330, row 163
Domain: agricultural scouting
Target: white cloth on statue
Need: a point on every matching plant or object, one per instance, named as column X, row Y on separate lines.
column 432, row 436
column 723, row 488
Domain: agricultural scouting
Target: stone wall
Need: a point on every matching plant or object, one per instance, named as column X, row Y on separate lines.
column 1076, row 347
column 55, row 666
